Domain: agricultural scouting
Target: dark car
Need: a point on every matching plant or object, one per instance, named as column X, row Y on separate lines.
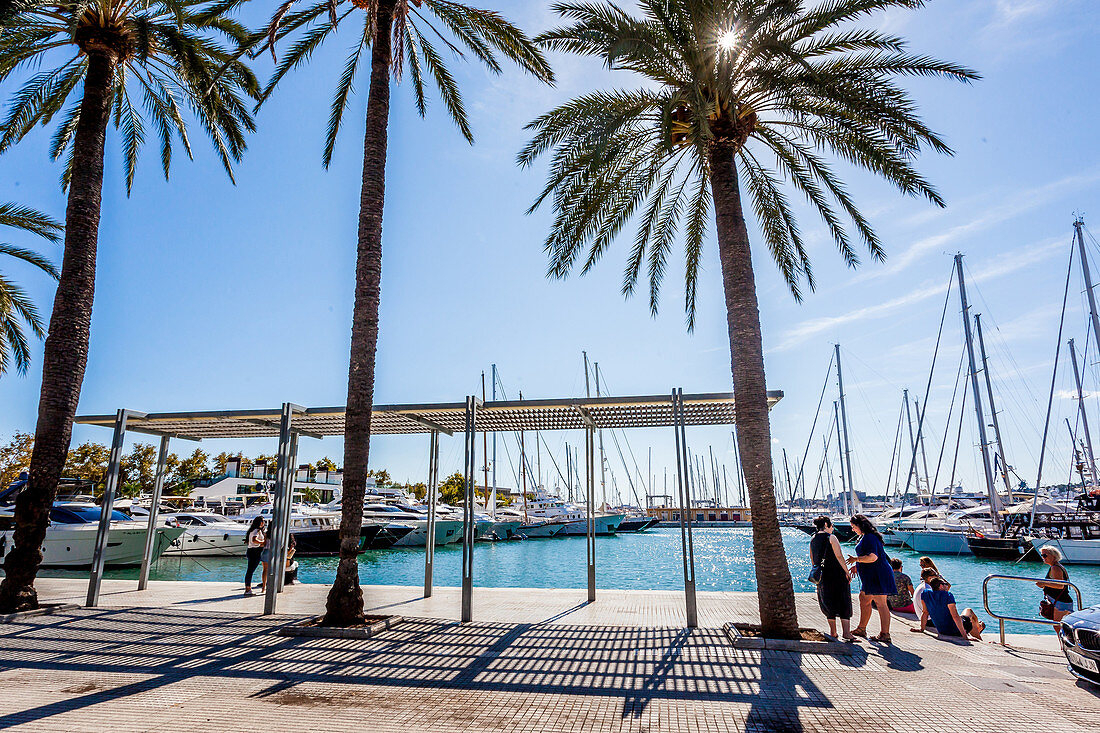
column 1080, row 635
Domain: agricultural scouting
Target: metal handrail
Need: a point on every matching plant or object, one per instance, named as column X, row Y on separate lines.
column 1001, row 619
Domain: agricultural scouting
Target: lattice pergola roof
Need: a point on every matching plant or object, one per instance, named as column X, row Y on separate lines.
column 499, row 416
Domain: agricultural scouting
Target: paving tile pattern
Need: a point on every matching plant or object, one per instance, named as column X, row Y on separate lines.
column 122, row 669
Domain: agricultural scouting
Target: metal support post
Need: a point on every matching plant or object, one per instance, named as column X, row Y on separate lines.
column 114, row 464
column 468, row 521
column 154, row 507
column 590, row 509
column 283, row 477
column 430, row 497
column 684, row 485
column 287, row 509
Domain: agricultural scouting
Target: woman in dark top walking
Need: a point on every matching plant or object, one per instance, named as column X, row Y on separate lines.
column 1056, row 594
column 875, row 576
column 834, row 594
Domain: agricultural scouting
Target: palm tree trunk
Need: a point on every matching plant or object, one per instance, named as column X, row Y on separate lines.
column 775, row 591
column 345, row 598
column 66, row 351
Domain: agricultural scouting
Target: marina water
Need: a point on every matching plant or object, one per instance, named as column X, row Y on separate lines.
column 649, row 560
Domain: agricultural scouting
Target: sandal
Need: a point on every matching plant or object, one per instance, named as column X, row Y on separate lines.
column 884, row 638
column 859, row 632
column 850, row 639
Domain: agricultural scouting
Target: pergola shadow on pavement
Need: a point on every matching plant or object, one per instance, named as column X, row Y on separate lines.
column 172, row 669
column 589, row 415
column 159, row 648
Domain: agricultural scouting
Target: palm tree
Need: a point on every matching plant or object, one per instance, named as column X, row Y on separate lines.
column 154, row 62
column 16, row 308
column 399, row 33
column 768, row 86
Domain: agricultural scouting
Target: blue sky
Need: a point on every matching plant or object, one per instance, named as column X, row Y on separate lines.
column 199, row 281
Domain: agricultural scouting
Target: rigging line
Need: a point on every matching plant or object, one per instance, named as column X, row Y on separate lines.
column 1050, row 397
column 947, row 423
column 817, row 414
column 630, row 450
column 958, row 440
column 827, row 438
column 893, row 454
column 626, row 468
column 928, row 386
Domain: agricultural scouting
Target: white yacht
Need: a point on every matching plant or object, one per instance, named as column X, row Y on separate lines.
column 447, row 530
column 205, row 533
column 70, row 537
column 529, row 526
column 547, row 506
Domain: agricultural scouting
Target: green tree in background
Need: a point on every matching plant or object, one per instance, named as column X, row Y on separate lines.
column 15, row 457
column 453, row 489
column 739, row 102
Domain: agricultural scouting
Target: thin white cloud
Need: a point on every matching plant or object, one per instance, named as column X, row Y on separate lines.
column 1013, row 261
column 1009, row 208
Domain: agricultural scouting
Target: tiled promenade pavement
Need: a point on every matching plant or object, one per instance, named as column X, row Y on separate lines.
column 186, row 667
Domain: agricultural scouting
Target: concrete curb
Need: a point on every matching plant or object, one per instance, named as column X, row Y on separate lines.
column 331, row 632
column 45, row 609
column 834, row 647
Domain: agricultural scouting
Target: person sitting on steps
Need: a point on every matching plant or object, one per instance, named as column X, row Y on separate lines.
column 939, row 605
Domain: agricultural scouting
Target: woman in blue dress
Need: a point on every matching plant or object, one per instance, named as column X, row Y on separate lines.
column 875, row 576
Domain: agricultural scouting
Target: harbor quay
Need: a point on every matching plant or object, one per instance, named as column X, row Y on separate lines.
column 199, row 656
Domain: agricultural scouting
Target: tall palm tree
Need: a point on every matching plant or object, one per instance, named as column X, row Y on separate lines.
column 154, row 62
column 398, row 33
column 16, row 308
column 753, row 93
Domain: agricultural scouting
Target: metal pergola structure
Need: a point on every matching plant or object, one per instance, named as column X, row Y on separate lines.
column 678, row 411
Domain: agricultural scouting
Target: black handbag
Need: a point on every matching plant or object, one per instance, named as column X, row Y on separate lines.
column 815, row 574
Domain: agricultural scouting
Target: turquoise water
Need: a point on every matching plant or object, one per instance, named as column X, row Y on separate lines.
column 650, row 560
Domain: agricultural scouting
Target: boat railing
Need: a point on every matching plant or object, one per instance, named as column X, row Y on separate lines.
column 1001, row 618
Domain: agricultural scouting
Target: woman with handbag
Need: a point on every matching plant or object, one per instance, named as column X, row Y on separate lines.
column 834, row 594
column 1057, row 602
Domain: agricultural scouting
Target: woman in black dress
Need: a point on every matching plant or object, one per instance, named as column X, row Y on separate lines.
column 834, row 594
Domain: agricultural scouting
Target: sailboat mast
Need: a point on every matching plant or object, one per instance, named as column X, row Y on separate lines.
column 913, row 446
column 599, row 439
column 992, row 404
column 1084, row 414
column 484, row 445
column 1078, row 226
column 840, row 451
column 920, row 441
column 493, row 494
column 523, row 476
column 994, row 502
column 849, row 500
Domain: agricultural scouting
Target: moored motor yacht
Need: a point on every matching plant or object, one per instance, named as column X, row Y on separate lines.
column 71, row 537
column 205, row 534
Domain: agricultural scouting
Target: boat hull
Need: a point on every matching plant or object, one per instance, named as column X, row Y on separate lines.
column 635, row 524
column 504, row 530
column 545, row 529
column 209, row 542
column 73, row 545
column 319, row 542
column 603, row 524
column 1074, row 552
column 447, row 531
column 935, row 542
column 998, row 548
